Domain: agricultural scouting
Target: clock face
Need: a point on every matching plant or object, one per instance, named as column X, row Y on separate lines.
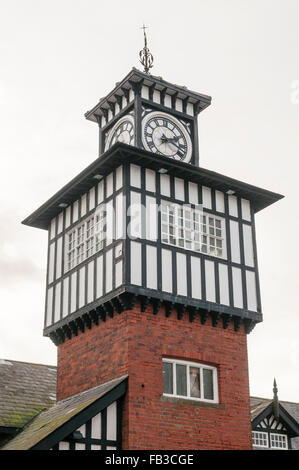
column 122, row 131
column 165, row 135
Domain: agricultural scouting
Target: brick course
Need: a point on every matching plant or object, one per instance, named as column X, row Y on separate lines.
column 134, row 342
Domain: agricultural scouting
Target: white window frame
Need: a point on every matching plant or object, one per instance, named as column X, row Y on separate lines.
column 196, row 237
column 265, row 437
column 201, row 367
column 85, row 239
column 285, row 439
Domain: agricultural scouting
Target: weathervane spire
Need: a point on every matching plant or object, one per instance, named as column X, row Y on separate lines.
column 146, row 58
column 275, row 400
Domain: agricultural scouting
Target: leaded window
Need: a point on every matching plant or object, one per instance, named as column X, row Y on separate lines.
column 278, row 441
column 191, row 229
column 86, row 239
column 190, row 380
column 260, row 439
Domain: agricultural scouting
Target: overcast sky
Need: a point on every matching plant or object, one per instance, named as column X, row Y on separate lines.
column 58, row 57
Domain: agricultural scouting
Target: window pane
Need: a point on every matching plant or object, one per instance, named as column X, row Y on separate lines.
column 181, row 380
column 194, row 382
column 260, row 439
column 208, row 384
column 167, row 378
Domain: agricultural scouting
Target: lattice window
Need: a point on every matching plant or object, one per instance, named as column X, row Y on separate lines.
column 86, row 239
column 189, row 228
column 260, row 439
column 278, row 441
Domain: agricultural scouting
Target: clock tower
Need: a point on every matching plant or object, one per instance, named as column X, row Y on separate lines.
column 152, row 114
column 152, row 273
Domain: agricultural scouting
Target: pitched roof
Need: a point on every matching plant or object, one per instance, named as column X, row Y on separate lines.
column 135, row 76
column 61, row 417
column 25, row 390
column 258, row 405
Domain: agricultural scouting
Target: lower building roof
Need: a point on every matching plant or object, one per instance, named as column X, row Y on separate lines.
column 25, row 390
column 66, row 416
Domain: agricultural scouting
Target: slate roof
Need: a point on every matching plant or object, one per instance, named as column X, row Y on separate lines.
column 25, row 390
column 258, row 405
column 59, row 414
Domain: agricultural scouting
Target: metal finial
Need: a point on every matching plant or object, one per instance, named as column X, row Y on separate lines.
column 275, row 400
column 146, row 58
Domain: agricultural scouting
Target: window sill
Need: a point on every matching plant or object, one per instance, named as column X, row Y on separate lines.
column 187, row 401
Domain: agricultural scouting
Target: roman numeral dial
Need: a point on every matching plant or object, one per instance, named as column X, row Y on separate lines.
column 122, row 131
column 165, row 135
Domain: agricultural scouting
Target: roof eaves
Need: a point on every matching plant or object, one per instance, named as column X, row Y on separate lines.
column 260, row 198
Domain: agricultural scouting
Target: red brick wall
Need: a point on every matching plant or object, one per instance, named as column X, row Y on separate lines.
column 134, row 342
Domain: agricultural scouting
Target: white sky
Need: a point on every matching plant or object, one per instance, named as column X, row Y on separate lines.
column 57, row 58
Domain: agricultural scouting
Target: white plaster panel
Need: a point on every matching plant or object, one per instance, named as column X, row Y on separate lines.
column 90, row 282
column 237, row 287
column 165, row 185
column 223, row 284
column 235, row 241
column 166, row 270
column 151, row 267
column 181, row 274
column 111, row 421
column 136, row 271
column 210, row 281
column 196, row 277
column 251, row 291
column 109, row 270
column 150, row 180
column 82, row 287
column 57, row 306
column 65, row 305
column 248, row 245
column 193, row 193
column 233, row 206
column 206, row 197
column 179, row 189
column 219, row 201
column 135, row 175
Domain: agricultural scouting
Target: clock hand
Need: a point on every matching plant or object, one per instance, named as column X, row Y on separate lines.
column 177, row 146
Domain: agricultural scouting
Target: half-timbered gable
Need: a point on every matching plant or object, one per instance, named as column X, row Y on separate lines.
column 90, row 420
column 275, row 426
column 270, row 432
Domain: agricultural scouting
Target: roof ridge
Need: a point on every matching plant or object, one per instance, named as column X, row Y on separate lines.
column 24, row 362
column 64, row 400
column 271, row 399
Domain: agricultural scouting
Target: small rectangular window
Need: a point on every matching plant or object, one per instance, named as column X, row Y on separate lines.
column 278, row 441
column 86, row 239
column 190, row 380
column 188, row 228
column 260, row 439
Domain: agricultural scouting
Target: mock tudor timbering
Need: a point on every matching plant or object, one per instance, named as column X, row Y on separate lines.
column 140, row 263
column 145, row 243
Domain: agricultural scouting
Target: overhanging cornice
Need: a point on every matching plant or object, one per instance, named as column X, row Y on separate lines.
column 120, row 153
